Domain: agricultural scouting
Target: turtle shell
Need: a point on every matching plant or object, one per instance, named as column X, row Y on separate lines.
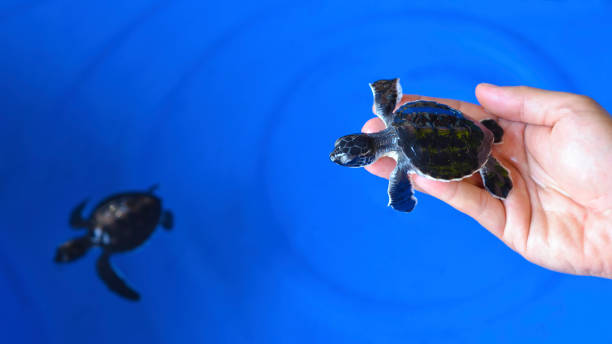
column 127, row 219
column 439, row 141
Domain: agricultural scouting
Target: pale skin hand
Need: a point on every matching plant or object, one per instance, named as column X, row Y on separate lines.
column 558, row 148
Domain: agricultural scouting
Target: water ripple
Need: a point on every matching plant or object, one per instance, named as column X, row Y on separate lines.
column 114, row 43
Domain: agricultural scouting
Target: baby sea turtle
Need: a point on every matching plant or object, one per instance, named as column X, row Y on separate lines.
column 428, row 138
column 119, row 223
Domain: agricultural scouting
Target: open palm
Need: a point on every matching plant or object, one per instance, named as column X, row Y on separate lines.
column 558, row 148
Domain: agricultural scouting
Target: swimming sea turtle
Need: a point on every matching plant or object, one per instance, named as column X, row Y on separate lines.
column 119, row 223
column 428, row 138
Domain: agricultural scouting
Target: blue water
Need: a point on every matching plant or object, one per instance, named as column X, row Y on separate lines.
column 233, row 108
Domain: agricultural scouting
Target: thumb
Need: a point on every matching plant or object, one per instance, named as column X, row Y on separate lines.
column 528, row 104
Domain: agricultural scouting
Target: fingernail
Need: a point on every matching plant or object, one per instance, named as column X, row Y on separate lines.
column 485, row 84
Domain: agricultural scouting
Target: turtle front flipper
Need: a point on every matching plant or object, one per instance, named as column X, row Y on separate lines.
column 401, row 193
column 496, row 178
column 387, row 95
column 107, row 273
column 73, row 249
column 76, row 216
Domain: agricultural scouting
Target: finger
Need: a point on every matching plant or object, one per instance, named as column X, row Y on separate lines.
column 468, row 199
column 470, row 110
column 373, row 125
column 385, row 165
column 528, row 104
column 382, row 167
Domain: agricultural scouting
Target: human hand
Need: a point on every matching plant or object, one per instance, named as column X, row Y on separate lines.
column 558, row 148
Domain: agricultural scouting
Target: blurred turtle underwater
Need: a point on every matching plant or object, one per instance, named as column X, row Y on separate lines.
column 117, row 224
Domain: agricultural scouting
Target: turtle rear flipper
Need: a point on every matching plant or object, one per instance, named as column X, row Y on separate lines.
column 73, row 249
column 401, row 193
column 107, row 273
column 498, row 132
column 76, row 216
column 496, row 178
column 167, row 220
column 387, row 95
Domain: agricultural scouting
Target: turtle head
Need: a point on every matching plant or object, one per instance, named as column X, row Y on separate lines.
column 354, row 150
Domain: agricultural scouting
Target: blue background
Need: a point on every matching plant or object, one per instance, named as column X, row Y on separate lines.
column 233, row 108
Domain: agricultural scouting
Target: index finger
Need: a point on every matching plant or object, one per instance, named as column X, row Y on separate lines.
column 532, row 105
column 473, row 111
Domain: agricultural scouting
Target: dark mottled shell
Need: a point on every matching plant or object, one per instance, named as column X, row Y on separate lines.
column 129, row 219
column 439, row 141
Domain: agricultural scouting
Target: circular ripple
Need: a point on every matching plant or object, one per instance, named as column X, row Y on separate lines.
column 336, row 218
